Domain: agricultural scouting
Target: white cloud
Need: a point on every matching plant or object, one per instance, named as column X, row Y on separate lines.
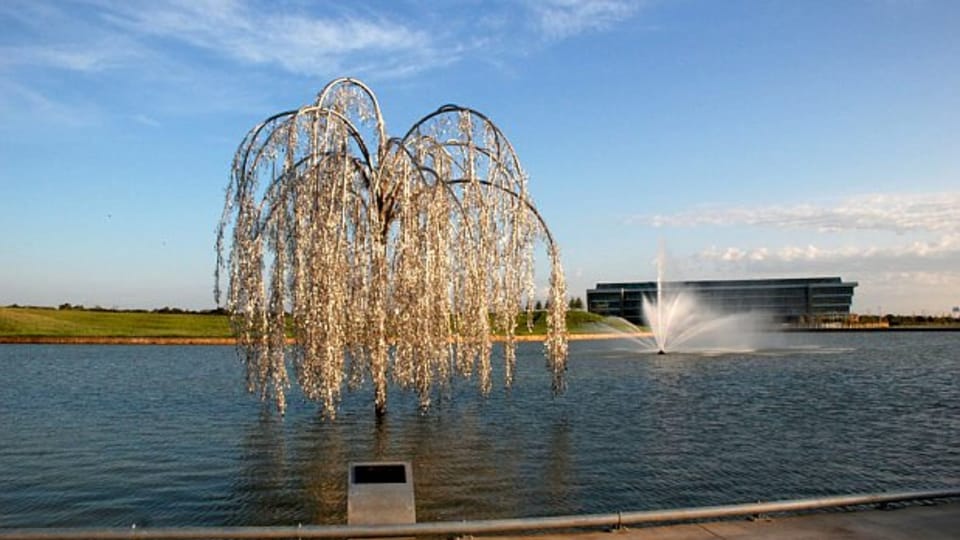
column 559, row 19
column 937, row 212
column 903, row 248
column 297, row 42
column 58, row 58
column 145, row 120
column 305, row 39
column 98, row 35
column 51, row 35
column 932, row 218
column 92, row 59
column 913, row 277
column 16, row 98
column 908, row 292
column 940, row 254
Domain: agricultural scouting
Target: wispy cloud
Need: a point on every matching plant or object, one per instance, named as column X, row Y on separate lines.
column 301, row 39
column 900, row 278
column 222, row 52
column 940, row 253
column 16, row 98
column 92, row 58
column 145, row 120
column 919, row 291
column 875, row 239
column 892, row 212
column 59, row 36
column 559, row 19
column 297, row 42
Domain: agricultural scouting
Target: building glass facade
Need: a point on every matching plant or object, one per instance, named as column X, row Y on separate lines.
column 787, row 299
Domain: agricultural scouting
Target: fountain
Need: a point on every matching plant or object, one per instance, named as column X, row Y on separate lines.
column 680, row 322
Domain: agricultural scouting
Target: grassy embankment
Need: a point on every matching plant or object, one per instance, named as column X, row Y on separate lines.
column 578, row 322
column 82, row 323
column 22, row 323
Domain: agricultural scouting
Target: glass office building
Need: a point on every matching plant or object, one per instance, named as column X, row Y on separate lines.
column 787, row 299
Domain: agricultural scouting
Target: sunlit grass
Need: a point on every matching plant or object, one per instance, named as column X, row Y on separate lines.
column 578, row 322
column 51, row 322
column 27, row 322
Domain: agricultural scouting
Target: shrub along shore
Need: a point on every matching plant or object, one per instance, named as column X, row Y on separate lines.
column 71, row 325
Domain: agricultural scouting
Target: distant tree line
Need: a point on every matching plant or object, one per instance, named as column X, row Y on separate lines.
column 914, row 320
column 164, row 310
column 888, row 320
column 574, row 303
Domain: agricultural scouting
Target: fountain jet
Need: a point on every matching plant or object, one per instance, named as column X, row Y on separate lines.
column 679, row 321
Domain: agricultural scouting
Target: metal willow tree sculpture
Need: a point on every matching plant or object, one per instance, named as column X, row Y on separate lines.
column 389, row 258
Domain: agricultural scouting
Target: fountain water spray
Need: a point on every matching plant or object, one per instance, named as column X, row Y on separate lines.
column 679, row 321
column 660, row 334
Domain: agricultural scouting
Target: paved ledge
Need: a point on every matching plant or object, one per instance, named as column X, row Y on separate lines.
column 937, row 521
column 933, row 522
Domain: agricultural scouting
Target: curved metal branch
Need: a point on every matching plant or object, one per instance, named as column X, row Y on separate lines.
column 383, row 260
column 348, row 81
column 533, row 209
column 450, row 108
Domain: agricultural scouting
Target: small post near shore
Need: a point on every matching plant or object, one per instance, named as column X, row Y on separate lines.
column 380, row 493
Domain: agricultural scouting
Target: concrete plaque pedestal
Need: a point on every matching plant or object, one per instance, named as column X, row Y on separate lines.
column 380, row 493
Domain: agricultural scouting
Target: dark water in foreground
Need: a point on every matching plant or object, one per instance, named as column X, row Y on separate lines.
column 167, row 436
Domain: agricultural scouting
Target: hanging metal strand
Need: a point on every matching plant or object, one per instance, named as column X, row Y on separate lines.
column 387, row 259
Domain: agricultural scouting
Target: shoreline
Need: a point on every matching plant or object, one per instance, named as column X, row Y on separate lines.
column 173, row 340
column 113, row 340
column 181, row 340
column 945, row 328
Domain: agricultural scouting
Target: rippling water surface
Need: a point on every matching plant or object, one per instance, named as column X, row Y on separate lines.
column 167, row 436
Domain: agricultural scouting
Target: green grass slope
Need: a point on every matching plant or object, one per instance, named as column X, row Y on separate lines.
column 578, row 322
column 27, row 322
column 23, row 322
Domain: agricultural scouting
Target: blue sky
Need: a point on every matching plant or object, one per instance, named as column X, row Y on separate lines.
column 755, row 139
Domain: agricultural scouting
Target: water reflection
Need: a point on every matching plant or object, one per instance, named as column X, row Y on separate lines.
column 469, row 462
column 262, row 489
column 633, row 432
column 324, row 470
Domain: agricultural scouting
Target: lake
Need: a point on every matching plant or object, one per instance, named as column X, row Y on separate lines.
column 168, row 436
